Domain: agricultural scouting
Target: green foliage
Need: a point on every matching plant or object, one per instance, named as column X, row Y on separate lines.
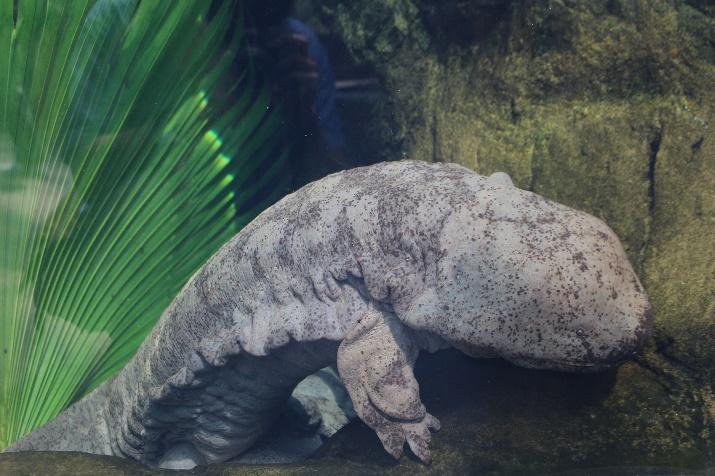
column 132, row 145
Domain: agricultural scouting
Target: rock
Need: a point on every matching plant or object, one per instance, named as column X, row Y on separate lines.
column 303, row 415
column 61, row 464
column 501, row 419
column 323, row 396
column 607, row 106
column 318, row 407
column 281, row 445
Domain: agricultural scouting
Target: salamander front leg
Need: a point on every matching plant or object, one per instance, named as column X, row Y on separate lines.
column 375, row 362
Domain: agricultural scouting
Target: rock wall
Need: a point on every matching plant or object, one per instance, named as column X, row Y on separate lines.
column 607, row 106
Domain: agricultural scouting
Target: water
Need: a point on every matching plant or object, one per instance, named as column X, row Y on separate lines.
column 136, row 139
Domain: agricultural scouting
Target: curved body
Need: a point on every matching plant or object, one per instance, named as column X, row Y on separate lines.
column 365, row 267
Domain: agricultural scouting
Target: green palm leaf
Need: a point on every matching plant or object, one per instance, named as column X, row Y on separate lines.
column 130, row 149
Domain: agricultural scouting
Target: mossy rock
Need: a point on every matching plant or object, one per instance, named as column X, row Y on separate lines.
column 607, row 106
column 501, row 419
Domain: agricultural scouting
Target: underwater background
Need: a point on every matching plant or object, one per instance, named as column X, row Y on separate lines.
column 136, row 138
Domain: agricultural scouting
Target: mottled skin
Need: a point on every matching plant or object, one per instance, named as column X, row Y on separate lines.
column 365, row 267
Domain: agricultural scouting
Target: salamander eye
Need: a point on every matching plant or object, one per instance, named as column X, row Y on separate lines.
column 580, row 332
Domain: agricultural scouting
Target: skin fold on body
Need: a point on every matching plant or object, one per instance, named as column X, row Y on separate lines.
column 364, row 268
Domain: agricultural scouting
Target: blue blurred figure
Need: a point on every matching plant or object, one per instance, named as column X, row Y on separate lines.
column 298, row 67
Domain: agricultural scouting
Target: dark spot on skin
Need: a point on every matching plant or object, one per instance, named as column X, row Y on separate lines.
column 580, row 259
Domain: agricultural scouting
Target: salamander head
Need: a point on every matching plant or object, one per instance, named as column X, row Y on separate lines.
column 537, row 283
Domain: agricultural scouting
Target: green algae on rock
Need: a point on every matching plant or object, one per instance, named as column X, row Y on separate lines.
column 606, row 106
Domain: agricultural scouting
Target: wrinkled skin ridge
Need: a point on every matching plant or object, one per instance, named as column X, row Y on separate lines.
column 363, row 268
